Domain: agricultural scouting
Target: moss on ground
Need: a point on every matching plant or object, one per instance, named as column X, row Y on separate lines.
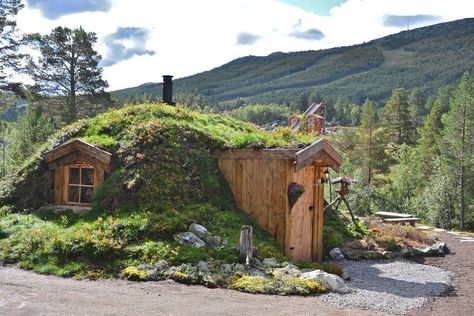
column 287, row 285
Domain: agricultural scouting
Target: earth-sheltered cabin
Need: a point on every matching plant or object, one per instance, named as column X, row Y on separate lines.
column 259, row 179
column 78, row 168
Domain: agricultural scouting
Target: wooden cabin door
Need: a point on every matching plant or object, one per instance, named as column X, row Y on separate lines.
column 300, row 218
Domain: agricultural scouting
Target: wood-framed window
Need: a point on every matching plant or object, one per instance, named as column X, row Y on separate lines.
column 311, row 126
column 80, row 184
column 311, row 120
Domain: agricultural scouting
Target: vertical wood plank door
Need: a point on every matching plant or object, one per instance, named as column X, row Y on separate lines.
column 301, row 218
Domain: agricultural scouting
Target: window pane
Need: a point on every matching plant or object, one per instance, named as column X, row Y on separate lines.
column 73, row 194
column 87, row 176
column 73, row 175
column 86, row 194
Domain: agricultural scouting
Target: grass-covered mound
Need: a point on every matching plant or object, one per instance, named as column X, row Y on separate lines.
column 163, row 178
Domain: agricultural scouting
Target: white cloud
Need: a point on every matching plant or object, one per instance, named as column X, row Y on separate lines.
column 194, row 36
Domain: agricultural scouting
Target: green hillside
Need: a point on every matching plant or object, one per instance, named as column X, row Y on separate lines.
column 427, row 58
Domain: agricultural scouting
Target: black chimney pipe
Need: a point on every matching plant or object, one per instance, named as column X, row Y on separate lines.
column 168, row 89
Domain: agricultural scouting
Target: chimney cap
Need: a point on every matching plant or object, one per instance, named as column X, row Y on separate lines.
column 167, row 78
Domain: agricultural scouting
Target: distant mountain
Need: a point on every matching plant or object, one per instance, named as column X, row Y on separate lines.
column 427, row 58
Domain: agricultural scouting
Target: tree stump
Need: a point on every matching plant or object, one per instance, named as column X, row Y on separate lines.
column 246, row 246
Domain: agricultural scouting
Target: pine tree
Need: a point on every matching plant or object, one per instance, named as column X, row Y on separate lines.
column 458, row 141
column 415, row 102
column 68, row 67
column 397, row 117
column 430, row 135
column 10, row 42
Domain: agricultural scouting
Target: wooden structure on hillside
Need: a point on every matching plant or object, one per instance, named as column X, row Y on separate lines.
column 312, row 119
column 78, row 168
column 259, row 179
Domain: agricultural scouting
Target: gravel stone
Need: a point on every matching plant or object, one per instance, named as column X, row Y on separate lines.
column 393, row 286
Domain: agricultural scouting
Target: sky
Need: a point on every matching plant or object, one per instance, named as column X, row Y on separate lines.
column 141, row 40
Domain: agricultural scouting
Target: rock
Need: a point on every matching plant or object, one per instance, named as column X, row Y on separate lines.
column 439, row 248
column 290, row 270
column 330, row 281
column 270, row 263
column 198, row 230
column 161, row 266
column 213, row 241
column 226, row 269
column 390, row 254
column 419, row 251
column 345, row 275
column 372, row 255
column 238, row 267
column 357, row 244
column 353, row 254
column 189, row 238
column 434, row 238
column 203, row 267
column 405, row 253
column 336, row 254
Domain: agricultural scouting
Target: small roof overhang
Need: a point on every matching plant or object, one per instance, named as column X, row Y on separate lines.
column 321, row 152
column 77, row 150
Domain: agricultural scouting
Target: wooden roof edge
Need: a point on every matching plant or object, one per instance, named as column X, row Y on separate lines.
column 79, row 145
column 309, row 154
column 255, row 153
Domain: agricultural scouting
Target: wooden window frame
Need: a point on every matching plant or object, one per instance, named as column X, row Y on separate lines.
column 80, row 185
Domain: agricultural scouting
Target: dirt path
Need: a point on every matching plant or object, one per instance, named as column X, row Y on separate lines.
column 459, row 301
column 27, row 293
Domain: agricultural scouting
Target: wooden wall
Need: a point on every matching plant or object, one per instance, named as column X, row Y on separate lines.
column 260, row 189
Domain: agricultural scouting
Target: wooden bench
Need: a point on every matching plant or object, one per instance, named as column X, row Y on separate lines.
column 408, row 220
column 384, row 215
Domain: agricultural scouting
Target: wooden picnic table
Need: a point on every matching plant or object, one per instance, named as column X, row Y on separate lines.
column 408, row 220
column 384, row 215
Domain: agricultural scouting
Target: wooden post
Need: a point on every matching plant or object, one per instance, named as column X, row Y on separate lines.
column 246, row 245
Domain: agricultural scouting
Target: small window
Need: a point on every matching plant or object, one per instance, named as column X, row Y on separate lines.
column 80, row 186
column 311, row 120
column 311, row 126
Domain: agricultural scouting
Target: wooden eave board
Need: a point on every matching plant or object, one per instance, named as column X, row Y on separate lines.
column 278, row 153
column 82, row 147
column 319, row 150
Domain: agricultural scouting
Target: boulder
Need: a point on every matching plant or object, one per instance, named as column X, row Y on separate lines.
column 390, row 254
column 439, row 248
column 405, row 253
column 372, row 255
column 330, row 281
column 198, row 230
column 226, row 269
column 270, row 263
column 336, row 254
column 289, row 269
column 189, row 238
column 353, row 254
column 213, row 241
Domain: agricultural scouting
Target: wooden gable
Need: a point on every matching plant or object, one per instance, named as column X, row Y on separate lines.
column 78, row 150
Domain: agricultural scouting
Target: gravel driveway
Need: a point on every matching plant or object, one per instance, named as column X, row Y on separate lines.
column 27, row 293
column 395, row 286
